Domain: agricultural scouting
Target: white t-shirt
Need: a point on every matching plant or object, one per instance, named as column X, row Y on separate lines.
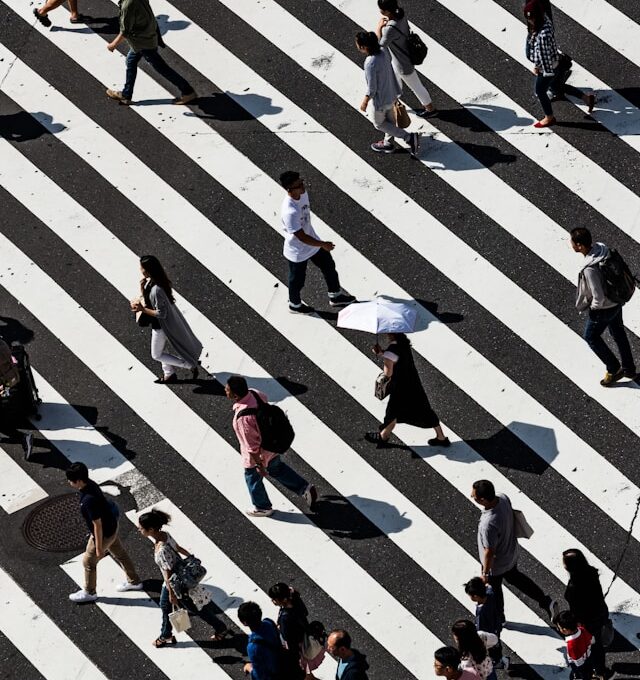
column 296, row 215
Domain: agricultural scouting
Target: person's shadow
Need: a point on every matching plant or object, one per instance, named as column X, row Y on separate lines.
column 234, row 107
column 479, row 117
column 23, row 126
column 12, row 330
column 277, row 389
column 447, row 155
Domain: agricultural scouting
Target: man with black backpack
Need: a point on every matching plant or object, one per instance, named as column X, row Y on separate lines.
column 605, row 283
column 264, row 432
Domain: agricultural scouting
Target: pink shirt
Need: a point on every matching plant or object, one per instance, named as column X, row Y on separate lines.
column 247, row 432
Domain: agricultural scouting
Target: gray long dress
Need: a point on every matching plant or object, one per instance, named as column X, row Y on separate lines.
column 177, row 330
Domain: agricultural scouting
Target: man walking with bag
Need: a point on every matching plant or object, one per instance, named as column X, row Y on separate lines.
column 258, row 461
column 603, row 297
column 102, row 521
column 302, row 245
column 498, row 548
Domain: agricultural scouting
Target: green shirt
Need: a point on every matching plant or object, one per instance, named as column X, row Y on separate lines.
column 138, row 24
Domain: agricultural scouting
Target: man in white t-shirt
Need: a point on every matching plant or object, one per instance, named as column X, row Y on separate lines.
column 301, row 244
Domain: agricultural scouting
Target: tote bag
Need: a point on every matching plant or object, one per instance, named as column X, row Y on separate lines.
column 521, row 526
column 180, row 620
column 400, row 114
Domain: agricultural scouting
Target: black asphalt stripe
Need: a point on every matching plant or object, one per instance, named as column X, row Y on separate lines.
column 260, row 559
column 479, row 329
column 13, row 665
column 594, row 54
column 510, row 444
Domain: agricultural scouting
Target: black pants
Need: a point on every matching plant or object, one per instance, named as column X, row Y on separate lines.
column 298, row 273
column 522, row 582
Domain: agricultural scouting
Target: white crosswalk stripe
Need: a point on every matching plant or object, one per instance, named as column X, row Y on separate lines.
column 563, row 450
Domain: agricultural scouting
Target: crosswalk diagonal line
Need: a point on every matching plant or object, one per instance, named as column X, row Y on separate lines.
column 98, row 246
column 17, row 489
column 512, row 123
column 613, row 111
column 415, row 533
column 549, row 336
column 368, row 602
column 137, row 615
column 503, row 204
column 607, row 23
column 562, row 453
column 38, row 638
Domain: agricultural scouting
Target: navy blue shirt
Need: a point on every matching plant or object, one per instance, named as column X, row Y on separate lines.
column 94, row 506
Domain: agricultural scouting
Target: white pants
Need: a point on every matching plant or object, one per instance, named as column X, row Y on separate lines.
column 414, row 83
column 169, row 361
column 384, row 120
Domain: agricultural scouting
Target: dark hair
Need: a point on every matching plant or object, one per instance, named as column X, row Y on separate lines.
column 151, row 264
column 238, row 385
column 476, row 586
column 288, row 178
column 448, row 656
column 250, row 614
column 401, row 338
column 77, row 472
column 280, row 591
column 581, row 236
column 343, row 639
column 534, row 11
column 578, row 567
column 368, row 40
column 566, row 619
column 468, row 640
column 154, row 519
column 390, row 6
column 484, row 489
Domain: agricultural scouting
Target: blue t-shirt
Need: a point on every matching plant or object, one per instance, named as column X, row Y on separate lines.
column 264, row 650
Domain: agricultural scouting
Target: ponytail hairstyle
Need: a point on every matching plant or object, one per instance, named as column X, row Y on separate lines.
column 368, row 40
column 151, row 264
column 153, row 520
column 468, row 641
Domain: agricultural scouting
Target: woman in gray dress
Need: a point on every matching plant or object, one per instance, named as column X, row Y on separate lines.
column 167, row 323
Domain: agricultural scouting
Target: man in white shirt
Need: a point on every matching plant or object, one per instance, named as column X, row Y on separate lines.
column 301, row 244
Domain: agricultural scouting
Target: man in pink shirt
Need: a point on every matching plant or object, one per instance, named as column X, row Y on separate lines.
column 257, row 462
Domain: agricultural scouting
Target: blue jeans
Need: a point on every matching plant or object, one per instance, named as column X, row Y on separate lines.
column 599, row 320
column 159, row 64
column 541, row 87
column 298, row 273
column 277, row 470
column 207, row 613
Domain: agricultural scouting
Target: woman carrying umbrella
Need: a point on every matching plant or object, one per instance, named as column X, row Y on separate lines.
column 408, row 402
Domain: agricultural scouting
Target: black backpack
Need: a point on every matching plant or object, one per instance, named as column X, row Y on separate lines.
column 416, row 48
column 275, row 429
column 617, row 280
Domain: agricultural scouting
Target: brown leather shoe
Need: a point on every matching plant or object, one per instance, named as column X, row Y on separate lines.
column 117, row 95
column 185, row 99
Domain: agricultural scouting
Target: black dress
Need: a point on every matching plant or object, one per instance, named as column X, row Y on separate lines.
column 408, row 402
column 586, row 600
column 292, row 623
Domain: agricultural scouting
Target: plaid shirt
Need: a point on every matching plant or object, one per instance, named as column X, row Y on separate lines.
column 542, row 50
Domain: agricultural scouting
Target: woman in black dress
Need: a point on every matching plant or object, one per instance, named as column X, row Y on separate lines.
column 586, row 601
column 408, row 402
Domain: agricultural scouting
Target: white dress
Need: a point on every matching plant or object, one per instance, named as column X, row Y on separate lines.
column 166, row 556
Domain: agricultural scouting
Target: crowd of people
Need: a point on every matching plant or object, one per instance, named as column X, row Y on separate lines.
column 292, row 647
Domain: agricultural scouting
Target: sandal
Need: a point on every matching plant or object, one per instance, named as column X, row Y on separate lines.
column 42, row 18
column 218, row 637
column 164, row 642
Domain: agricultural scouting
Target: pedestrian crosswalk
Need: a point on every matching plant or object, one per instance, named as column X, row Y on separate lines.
column 476, row 231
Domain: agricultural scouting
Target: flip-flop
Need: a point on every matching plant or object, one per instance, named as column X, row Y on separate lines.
column 80, row 19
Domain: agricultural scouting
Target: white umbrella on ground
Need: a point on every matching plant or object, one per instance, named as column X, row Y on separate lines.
column 379, row 316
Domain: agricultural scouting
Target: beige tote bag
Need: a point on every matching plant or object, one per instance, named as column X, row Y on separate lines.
column 180, row 620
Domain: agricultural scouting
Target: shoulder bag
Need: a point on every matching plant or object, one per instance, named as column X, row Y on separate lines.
column 144, row 320
column 400, row 114
column 186, row 574
column 381, row 389
column 521, row 527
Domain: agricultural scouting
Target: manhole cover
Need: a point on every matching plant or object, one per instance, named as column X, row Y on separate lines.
column 56, row 525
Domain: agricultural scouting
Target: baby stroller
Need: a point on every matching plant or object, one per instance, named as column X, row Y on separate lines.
column 19, row 399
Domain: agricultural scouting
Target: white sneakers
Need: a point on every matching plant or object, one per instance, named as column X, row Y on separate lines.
column 82, row 596
column 123, row 587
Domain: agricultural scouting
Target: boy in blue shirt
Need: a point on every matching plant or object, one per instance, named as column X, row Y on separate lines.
column 487, row 618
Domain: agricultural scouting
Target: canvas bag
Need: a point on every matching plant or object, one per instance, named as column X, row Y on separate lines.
column 400, row 115
column 521, row 527
column 180, row 620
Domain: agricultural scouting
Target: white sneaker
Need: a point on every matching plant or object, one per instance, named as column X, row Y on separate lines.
column 82, row 596
column 310, row 495
column 254, row 512
column 123, row 587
